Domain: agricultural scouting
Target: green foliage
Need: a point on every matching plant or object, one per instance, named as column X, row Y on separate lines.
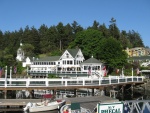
column 88, row 41
column 110, row 50
column 20, row 68
column 28, row 49
column 52, row 76
column 144, row 68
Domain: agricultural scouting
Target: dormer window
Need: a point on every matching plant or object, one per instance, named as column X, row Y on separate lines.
column 67, row 55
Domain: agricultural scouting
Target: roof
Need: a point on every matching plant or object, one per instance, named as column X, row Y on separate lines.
column 92, row 60
column 75, row 106
column 51, row 58
column 73, row 52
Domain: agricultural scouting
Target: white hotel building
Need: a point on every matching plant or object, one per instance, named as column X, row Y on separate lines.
column 71, row 63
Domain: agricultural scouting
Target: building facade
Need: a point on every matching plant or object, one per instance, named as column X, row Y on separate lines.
column 137, row 51
column 71, row 61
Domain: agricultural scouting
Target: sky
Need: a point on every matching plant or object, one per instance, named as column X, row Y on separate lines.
column 129, row 14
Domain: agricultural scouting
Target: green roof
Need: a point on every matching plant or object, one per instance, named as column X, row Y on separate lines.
column 75, row 106
column 92, row 60
column 51, row 58
column 73, row 52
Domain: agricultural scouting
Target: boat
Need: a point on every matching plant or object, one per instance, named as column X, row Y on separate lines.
column 73, row 108
column 49, row 103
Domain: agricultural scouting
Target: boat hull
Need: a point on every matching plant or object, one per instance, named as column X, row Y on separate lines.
column 47, row 107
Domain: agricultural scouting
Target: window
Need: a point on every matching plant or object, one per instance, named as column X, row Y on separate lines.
column 67, row 55
column 74, row 62
column 68, row 62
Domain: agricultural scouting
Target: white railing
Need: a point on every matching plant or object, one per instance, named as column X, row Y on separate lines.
column 137, row 106
column 59, row 82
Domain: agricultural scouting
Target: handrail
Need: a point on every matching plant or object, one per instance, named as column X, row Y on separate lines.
column 47, row 82
column 137, row 106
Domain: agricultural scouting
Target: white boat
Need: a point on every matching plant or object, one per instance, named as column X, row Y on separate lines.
column 46, row 105
column 73, row 108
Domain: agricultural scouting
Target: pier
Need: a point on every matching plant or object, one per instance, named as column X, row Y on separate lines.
column 55, row 84
column 88, row 102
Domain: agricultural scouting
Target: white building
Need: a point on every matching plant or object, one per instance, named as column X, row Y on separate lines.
column 71, row 62
column 27, row 62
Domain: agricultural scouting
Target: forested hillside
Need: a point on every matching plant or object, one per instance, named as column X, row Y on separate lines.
column 55, row 39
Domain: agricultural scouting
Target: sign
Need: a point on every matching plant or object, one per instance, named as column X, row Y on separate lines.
column 110, row 107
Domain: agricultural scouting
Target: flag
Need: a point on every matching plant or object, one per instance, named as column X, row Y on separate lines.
column 0, row 72
column 104, row 69
column 89, row 70
column 137, row 71
column 117, row 71
column 15, row 69
column 126, row 108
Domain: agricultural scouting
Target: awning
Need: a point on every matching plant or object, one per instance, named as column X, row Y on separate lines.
column 47, row 96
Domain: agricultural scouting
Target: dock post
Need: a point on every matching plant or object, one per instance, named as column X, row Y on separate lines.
column 5, row 94
column 132, row 91
column 123, row 92
column 75, row 92
column 92, row 91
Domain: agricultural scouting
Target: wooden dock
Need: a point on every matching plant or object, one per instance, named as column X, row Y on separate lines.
column 89, row 102
column 15, row 104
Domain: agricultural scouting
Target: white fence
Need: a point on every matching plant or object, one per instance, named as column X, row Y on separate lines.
column 60, row 82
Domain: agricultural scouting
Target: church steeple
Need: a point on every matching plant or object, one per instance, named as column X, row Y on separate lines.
column 20, row 53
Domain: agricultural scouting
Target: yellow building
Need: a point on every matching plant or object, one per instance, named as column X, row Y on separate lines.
column 137, row 51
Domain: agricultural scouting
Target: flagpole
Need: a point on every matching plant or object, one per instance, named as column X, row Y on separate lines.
column 6, row 77
column 10, row 72
column 6, row 72
column 132, row 72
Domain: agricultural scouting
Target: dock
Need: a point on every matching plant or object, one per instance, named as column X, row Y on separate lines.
column 15, row 104
column 89, row 102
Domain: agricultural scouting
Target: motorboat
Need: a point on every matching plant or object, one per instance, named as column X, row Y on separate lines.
column 73, row 108
column 48, row 103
